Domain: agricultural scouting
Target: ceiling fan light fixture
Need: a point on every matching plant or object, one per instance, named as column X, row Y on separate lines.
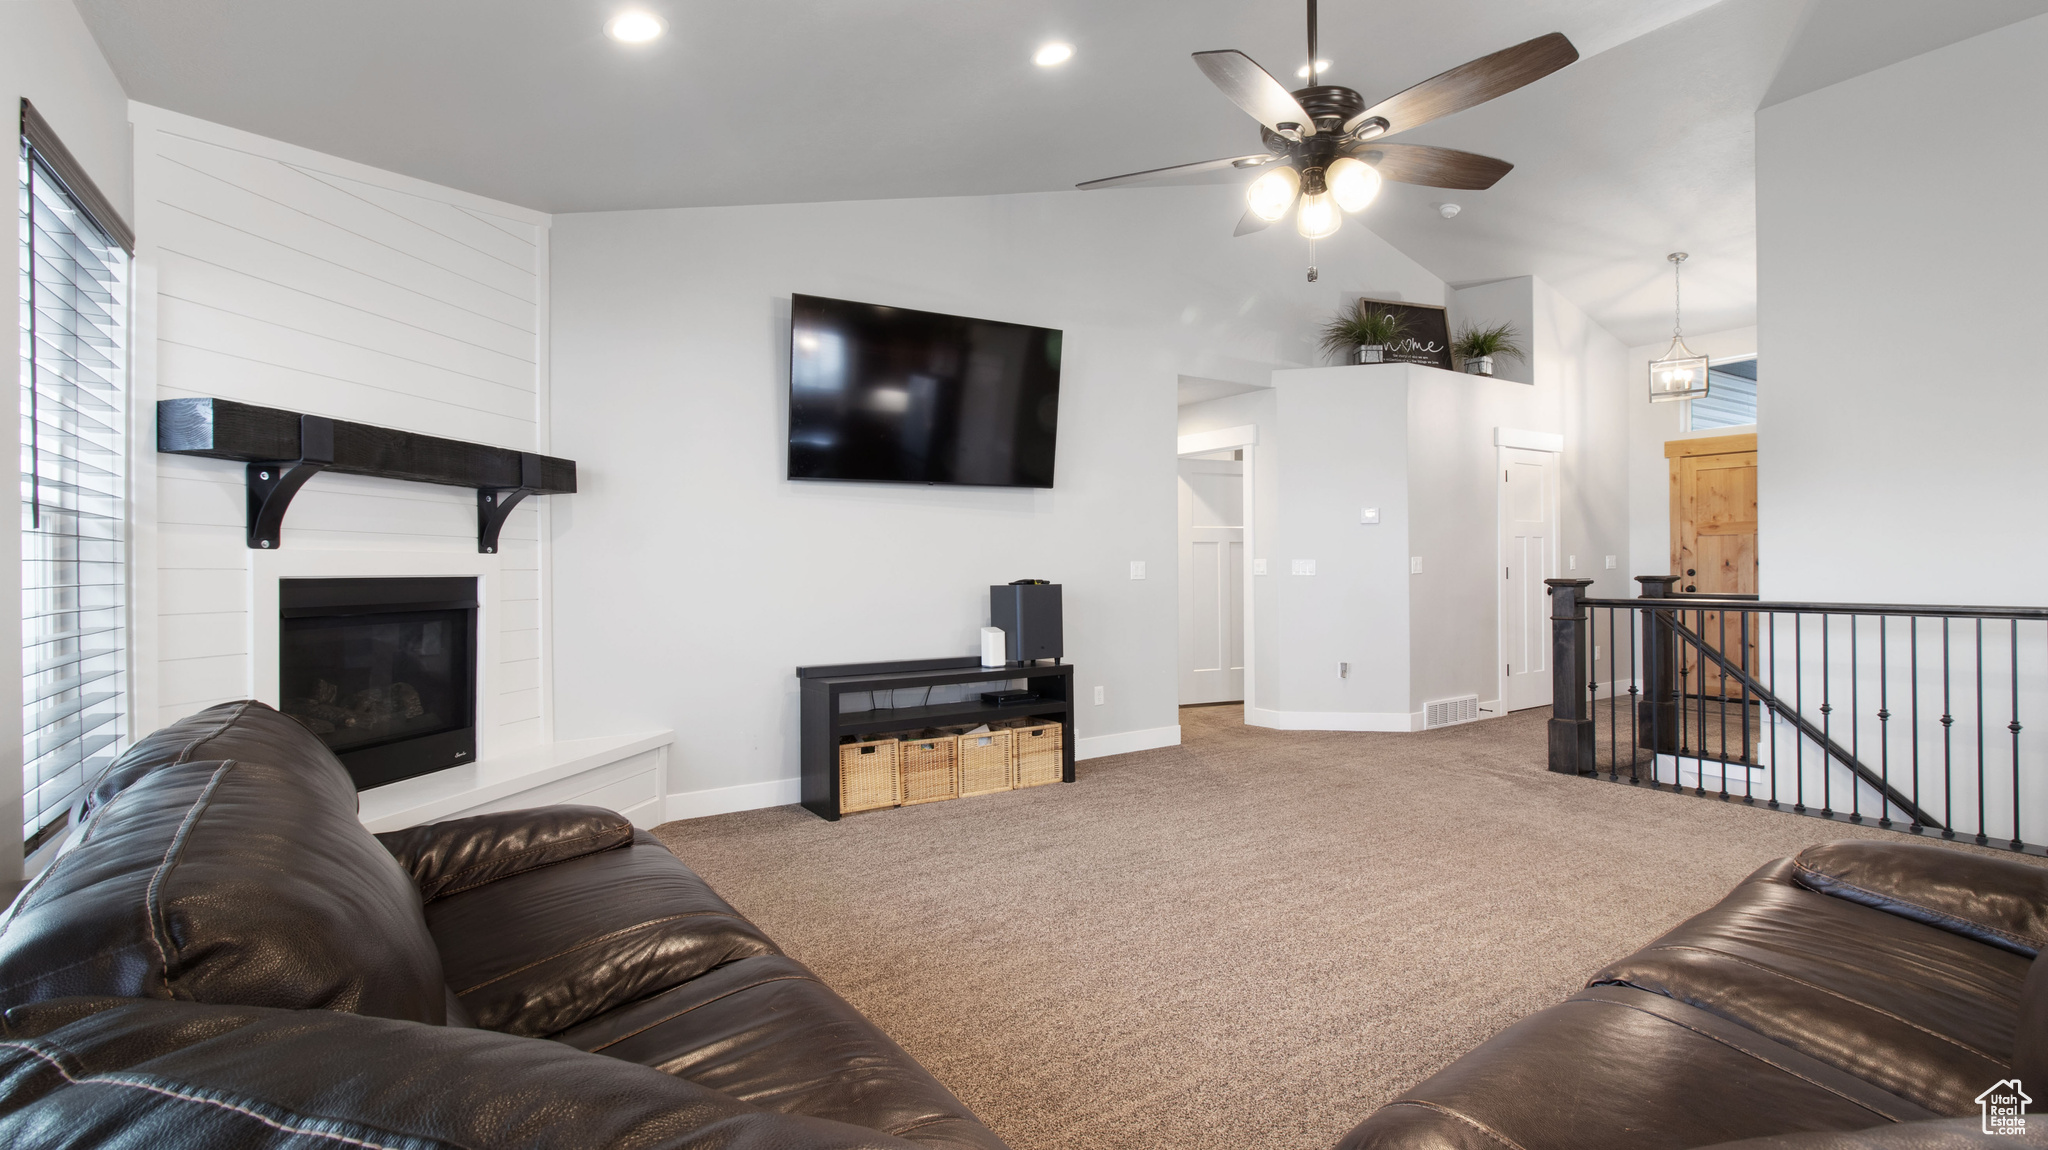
column 1353, row 182
column 1322, row 66
column 1318, row 216
column 1272, row 194
column 635, row 27
column 1052, row 55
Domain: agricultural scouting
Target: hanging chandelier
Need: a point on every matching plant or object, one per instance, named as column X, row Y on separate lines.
column 1679, row 374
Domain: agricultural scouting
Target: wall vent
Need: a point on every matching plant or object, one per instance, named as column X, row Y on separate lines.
column 1450, row 712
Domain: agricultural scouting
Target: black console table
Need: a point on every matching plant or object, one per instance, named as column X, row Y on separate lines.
column 823, row 723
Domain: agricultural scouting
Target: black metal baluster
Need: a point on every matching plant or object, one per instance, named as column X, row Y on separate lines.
column 1981, row 836
column 1948, row 721
column 1721, row 618
column 1771, row 620
column 1884, row 718
column 1699, row 758
column 2014, row 727
column 1913, row 664
column 1613, row 718
column 1827, row 710
column 1799, row 705
column 1635, row 674
column 1855, row 722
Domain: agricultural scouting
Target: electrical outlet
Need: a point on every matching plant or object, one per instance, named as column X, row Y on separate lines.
column 1610, row 562
column 1596, row 652
column 1368, row 515
column 1571, row 562
column 1098, row 696
column 1137, row 568
column 1343, row 670
column 1415, row 564
column 1258, row 566
column 1304, row 566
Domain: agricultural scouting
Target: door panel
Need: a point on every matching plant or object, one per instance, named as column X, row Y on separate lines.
column 1211, row 581
column 1528, row 553
column 1713, row 547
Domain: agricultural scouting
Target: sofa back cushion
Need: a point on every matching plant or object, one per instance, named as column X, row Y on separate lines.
column 244, row 730
column 231, row 882
column 2030, row 1040
column 2001, row 902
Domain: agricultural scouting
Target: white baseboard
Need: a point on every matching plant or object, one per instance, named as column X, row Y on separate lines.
column 1124, row 742
column 725, row 800
column 1333, row 720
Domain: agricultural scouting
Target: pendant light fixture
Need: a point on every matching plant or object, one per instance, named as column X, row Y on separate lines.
column 1679, row 374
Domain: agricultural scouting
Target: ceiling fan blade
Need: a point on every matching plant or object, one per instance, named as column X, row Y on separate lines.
column 1256, row 91
column 1178, row 171
column 1432, row 167
column 1251, row 222
column 1470, row 84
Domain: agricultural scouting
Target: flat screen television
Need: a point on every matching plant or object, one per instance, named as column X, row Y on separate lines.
column 890, row 395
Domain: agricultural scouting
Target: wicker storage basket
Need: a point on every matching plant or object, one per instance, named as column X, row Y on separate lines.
column 931, row 769
column 985, row 765
column 868, row 777
column 1036, row 748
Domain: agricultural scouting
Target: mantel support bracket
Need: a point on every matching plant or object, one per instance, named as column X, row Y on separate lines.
column 494, row 504
column 272, row 485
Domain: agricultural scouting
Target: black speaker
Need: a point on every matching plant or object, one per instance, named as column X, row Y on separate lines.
column 1029, row 614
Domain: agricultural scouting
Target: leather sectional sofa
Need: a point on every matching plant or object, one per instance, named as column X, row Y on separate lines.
column 223, row 956
column 1859, row 994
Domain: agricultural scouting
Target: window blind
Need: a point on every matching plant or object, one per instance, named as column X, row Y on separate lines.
column 74, row 299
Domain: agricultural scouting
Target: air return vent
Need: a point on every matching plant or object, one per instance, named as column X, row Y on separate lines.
column 1450, row 712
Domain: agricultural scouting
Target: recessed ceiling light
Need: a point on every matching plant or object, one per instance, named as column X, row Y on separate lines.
column 1322, row 66
column 634, row 27
column 1053, row 54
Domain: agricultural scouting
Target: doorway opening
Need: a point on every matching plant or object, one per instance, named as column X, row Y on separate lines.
column 1215, row 544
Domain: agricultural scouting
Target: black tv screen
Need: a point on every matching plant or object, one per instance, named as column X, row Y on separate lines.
column 899, row 396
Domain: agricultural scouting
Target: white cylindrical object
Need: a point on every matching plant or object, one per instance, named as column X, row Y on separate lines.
column 992, row 653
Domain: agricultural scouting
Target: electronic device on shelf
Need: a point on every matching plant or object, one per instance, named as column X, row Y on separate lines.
column 893, row 395
column 998, row 698
column 1029, row 614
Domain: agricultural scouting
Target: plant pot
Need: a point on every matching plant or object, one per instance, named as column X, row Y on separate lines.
column 1374, row 353
column 1481, row 365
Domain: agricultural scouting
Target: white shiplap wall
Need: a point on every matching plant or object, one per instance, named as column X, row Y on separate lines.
column 274, row 275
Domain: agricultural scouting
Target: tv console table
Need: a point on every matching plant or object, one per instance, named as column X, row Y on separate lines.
column 823, row 723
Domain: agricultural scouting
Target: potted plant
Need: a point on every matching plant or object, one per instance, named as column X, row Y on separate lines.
column 1477, row 346
column 1363, row 334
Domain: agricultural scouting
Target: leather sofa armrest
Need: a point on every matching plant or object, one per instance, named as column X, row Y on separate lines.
column 2001, row 902
column 461, row 854
column 1937, row 1134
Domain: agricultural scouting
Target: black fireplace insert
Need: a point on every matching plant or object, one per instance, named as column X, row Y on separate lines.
column 382, row 670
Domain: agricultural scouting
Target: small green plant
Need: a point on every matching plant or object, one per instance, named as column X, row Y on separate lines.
column 1365, row 325
column 1480, row 342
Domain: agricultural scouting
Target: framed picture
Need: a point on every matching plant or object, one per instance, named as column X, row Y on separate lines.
column 1428, row 341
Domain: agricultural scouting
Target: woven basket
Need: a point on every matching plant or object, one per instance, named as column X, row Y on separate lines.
column 985, row 765
column 931, row 769
column 1036, row 748
column 868, row 777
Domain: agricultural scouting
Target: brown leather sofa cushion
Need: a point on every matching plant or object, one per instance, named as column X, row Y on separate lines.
column 126, row 1075
column 247, row 731
column 1622, row 1069
column 1998, row 901
column 2030, row 1045
column 1923, row 1012
column 227, row 882
column 766, row 1031
column 462, row 854
column 1939, row 1134
column 539, row 952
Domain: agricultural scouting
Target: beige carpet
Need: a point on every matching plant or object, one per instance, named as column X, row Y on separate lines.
column 1247, row 941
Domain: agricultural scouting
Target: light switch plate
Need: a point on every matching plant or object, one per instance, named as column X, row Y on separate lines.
column 1304, row 566
column 1258, row 566
column 1571, row 563
column 1137, row 568
column 1610, row 562
column 1415, row 564
column 1368, row 515
column 1098, row 696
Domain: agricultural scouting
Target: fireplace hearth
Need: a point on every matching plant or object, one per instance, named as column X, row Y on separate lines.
column 382, row 670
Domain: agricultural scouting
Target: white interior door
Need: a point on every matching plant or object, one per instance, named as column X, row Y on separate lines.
column 1528, row 556
column 1211, row 581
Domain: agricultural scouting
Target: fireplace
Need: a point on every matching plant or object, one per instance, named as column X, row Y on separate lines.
column 382, row 670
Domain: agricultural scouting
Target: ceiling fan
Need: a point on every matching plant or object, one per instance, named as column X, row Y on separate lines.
column 1325, row 149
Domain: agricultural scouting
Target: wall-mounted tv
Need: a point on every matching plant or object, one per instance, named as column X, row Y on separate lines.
column 892, row 395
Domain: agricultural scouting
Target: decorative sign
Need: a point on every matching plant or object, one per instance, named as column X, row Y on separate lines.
column 1428, row 341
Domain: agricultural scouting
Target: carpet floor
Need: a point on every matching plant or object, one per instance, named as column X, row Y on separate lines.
column 1250, row 940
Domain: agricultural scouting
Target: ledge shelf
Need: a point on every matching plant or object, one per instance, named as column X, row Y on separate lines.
column 284, row 449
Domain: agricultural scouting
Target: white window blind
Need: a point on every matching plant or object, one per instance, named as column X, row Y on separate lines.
column 74, row 299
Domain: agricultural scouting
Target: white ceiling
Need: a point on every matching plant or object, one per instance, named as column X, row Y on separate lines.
column 1641, row 147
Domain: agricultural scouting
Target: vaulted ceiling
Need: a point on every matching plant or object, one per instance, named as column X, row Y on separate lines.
column 1643, row 146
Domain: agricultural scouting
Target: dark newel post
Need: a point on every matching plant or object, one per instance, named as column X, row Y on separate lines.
column 1657, row 717
column 1571, row 719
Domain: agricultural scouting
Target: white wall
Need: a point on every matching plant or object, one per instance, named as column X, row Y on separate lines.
column 47, row 55
column 1900, row 433
column 696, row 578
column 287, row 278
column 1650, row 427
